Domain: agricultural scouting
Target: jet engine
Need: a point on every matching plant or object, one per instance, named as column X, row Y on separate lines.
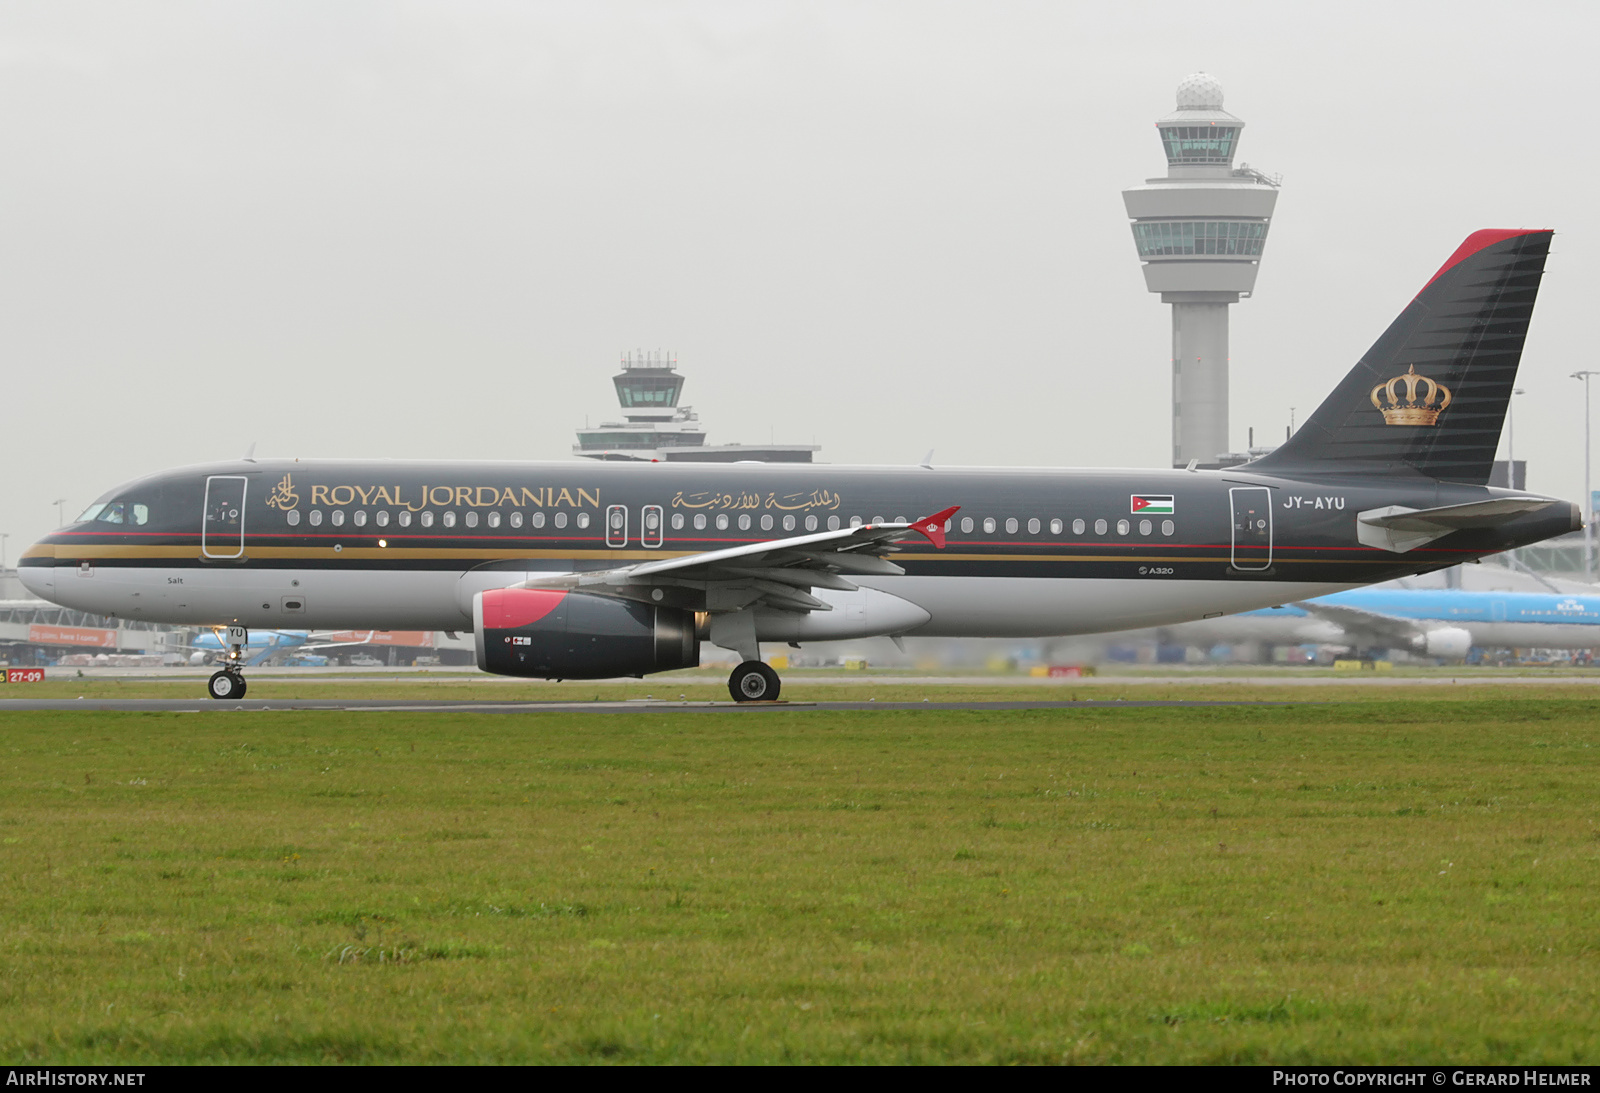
column 1447, row 642
column 552, row 634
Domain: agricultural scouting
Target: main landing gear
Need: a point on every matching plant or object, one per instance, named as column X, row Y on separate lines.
column 228, row 685
column 754, row 681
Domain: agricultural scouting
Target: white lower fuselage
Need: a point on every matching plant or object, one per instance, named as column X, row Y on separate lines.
column 442, row 600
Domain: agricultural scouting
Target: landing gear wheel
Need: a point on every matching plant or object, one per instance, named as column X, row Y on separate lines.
column 227, row 686
column 754, row 681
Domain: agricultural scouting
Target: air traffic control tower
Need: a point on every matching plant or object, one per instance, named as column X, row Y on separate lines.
column 1200, row 233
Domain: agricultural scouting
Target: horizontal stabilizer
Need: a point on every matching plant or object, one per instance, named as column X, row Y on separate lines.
column 1399, row 529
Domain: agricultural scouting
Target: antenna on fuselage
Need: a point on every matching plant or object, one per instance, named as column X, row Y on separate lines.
column 927, row 460
column 250, row 453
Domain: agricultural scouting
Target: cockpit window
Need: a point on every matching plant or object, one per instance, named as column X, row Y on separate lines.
column 170, row 503
column 135, row 513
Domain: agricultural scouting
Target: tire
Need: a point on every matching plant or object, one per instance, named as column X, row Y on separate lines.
column 754, row 681
column 226, row 686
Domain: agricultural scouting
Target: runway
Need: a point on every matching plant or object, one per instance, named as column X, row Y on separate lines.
column 156, row 705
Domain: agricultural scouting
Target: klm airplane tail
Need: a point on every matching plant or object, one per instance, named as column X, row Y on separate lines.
column 1430, row 395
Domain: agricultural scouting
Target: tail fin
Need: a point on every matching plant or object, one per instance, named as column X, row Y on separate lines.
column 1431, row 393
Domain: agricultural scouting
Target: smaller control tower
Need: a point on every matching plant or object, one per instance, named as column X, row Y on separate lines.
column 1200, row 232
column 657, row 430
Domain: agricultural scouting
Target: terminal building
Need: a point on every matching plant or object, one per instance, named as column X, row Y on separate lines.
column 655, row 429
column 1200, row 232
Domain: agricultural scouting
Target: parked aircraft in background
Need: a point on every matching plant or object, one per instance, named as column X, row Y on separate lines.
column 1444, row 623
column 606, row 569
column 262, row 645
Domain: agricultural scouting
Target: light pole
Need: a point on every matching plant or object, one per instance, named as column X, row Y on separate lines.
column 1511, row 441
column 61, row 517
column 4, row 535
column 1588, row 507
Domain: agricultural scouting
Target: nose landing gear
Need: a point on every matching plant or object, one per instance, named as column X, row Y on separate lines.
column 228, row 685
column 754, row 681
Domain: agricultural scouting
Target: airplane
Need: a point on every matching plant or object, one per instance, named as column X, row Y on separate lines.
column 262, row 645
column 1444, row 623
column 596, row 569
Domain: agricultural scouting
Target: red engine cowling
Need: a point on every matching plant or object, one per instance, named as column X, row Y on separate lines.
column 550, row 634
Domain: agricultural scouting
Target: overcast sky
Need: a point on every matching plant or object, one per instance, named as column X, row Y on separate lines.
column 429, row 229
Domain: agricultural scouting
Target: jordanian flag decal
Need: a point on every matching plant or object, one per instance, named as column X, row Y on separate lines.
column 1152, row 504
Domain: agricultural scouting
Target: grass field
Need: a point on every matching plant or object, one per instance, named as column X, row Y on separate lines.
column 1393, row 878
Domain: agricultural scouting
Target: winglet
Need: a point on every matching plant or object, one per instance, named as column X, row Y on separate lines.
column 932, row 527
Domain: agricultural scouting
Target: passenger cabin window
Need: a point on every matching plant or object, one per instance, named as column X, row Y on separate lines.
column 1055, row 527
column 1144, row 527
column 1168, row 527
column 788, row 523
column 294, row 517
column 1122, row 527
column 722, row 521
column 403, row 518
column 516, row 519
column 744, row 522
column 537, row 519
column 427, row 519
column 1099, row 527
column 1077, row 527
column 766, row 523
column 833, row 523
column 811, row 523
column 966, row 524
column 359, row 518
column 1011, row 525
column 699, row 521
column 472, row 519
column 583, row 519
column 336, row 518
column 449, row 520
column 677, row 521
column 316, row 518
column 382, row 518
column 855, row 521
column 494, row 519
column 1033, row 526
column 561, row 519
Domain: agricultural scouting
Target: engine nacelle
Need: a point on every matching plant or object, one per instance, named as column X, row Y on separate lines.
column 1447, row 642
column 551, row 634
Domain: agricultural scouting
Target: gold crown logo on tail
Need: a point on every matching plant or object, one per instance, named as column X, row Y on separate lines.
column 1424, row 400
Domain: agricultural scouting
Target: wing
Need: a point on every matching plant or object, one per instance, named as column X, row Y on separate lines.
column 1359, row 623
column 778, row 573
column 335, row 644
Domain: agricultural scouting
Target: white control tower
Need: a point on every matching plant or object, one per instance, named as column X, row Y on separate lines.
column 1200, row 233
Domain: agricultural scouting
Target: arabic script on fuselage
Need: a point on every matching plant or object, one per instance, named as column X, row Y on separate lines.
column 282, row 496
column 808, row 501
